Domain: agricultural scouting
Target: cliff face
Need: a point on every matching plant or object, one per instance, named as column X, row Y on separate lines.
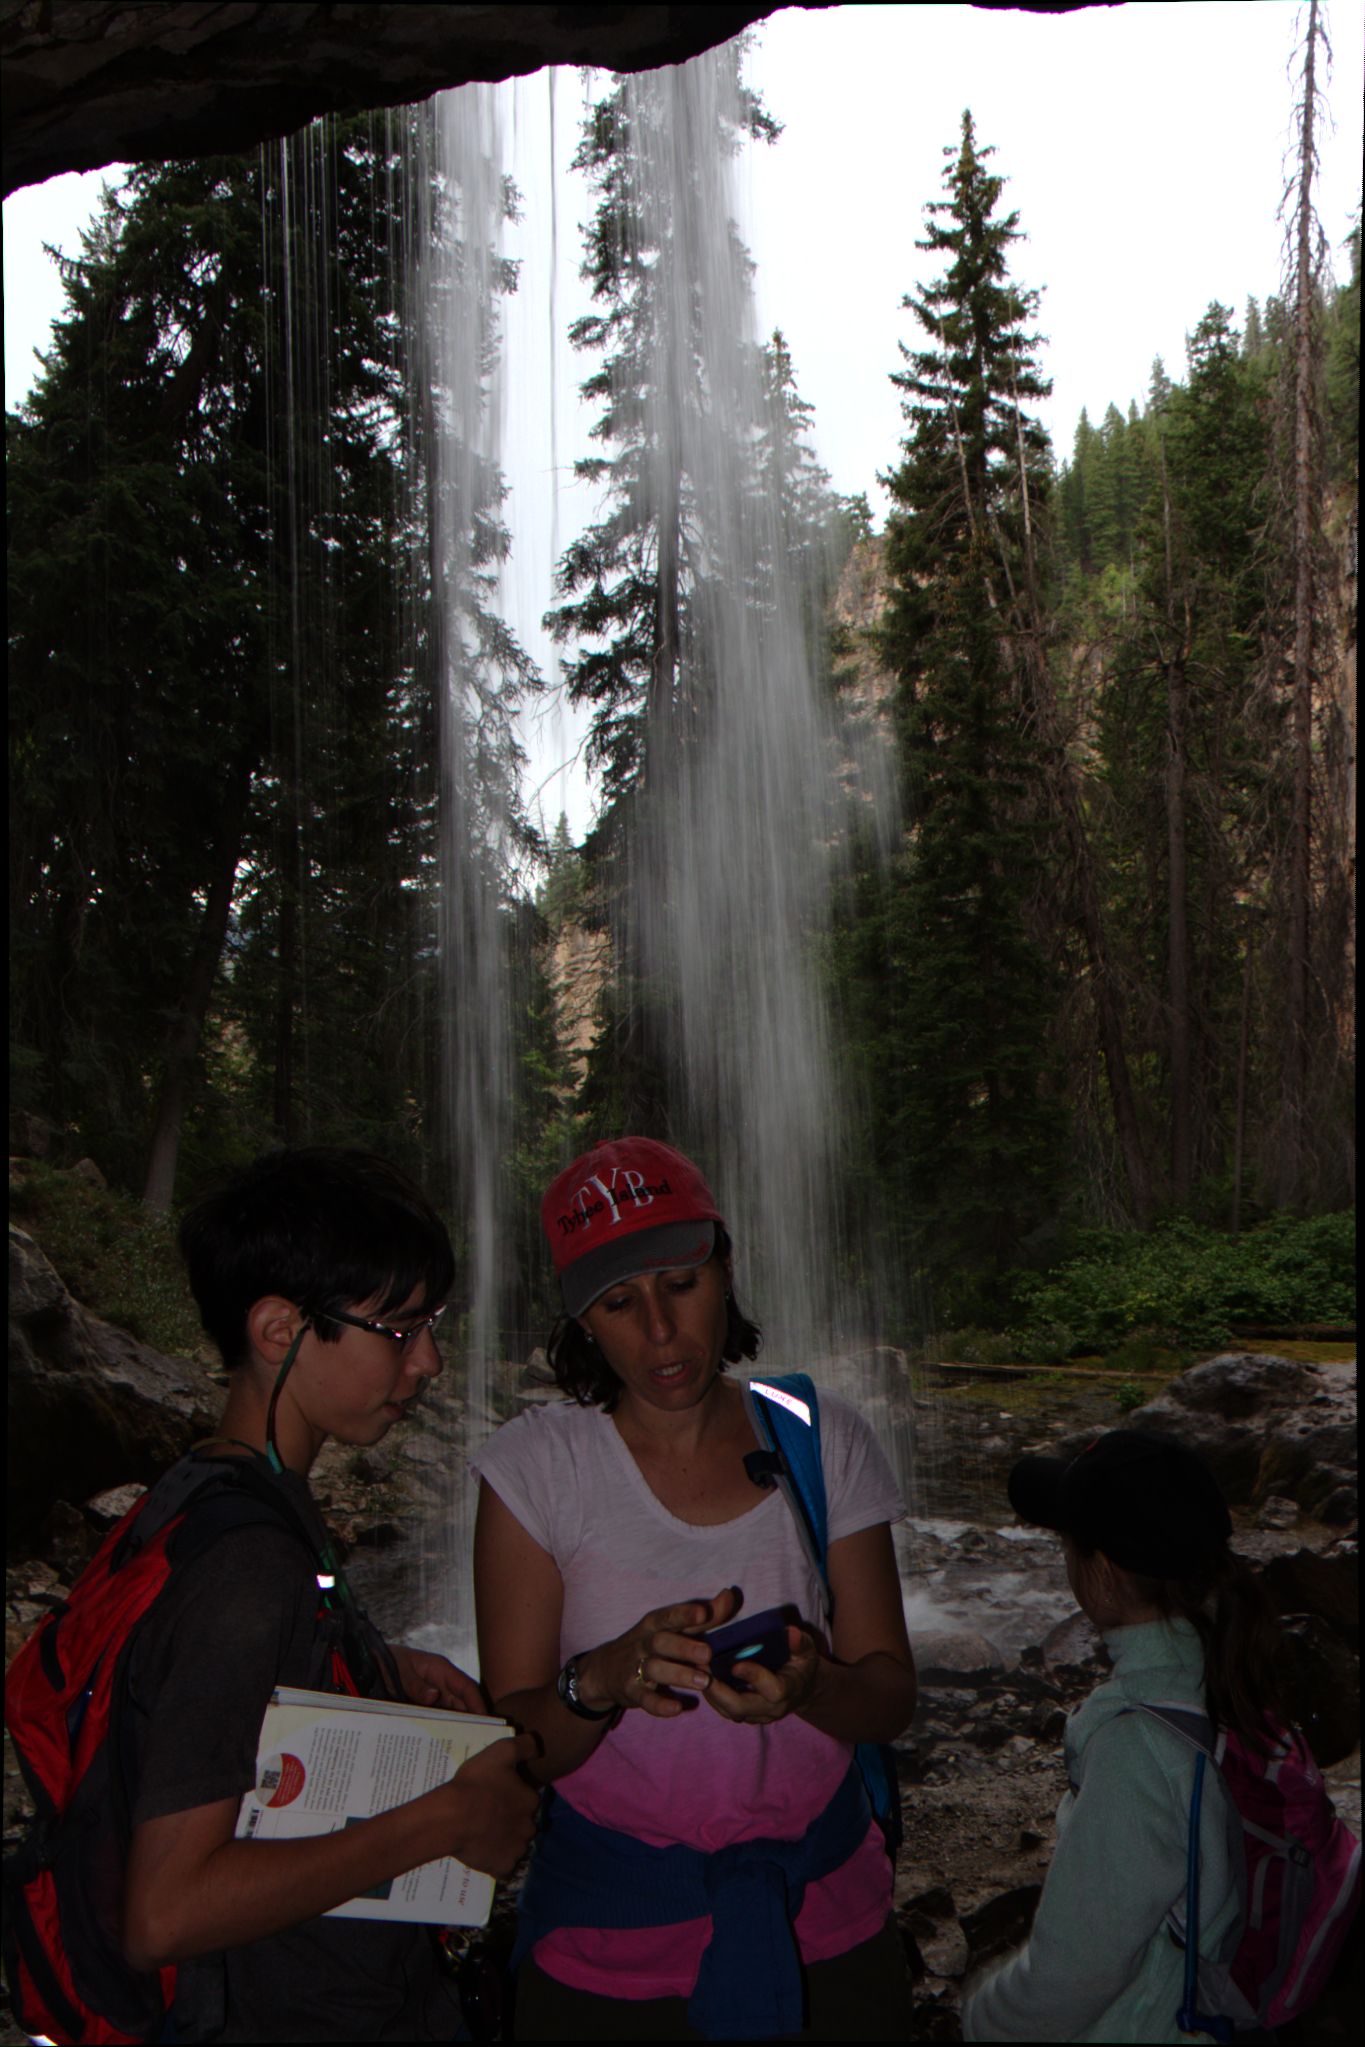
column 86, row 85
column 579, row 968
column 860, row 601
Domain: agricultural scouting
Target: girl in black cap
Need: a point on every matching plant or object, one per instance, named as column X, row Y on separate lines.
column 1145, row 1531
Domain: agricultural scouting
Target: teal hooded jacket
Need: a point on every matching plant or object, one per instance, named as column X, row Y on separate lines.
column 1100, row 1963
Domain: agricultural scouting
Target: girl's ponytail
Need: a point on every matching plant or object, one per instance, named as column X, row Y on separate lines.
column 1244, row 1648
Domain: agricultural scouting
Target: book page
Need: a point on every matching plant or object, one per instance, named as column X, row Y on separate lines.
column 326, row 1761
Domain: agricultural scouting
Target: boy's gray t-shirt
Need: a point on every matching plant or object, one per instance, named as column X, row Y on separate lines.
column 231, row 1625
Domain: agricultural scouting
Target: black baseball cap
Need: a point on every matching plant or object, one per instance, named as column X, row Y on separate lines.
column 1146, row 1500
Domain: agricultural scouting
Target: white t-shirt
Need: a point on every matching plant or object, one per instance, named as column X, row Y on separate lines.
column 568, row 1477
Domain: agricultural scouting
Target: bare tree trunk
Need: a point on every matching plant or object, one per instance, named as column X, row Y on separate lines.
column 1240, row 1126
column 286, row 995
column 1178, row 935
column 187, row 1029
column 1066, row 797
column 1292, row 1133
column 1177, row 879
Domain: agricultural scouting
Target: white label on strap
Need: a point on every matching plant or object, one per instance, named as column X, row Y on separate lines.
column 800, row 1408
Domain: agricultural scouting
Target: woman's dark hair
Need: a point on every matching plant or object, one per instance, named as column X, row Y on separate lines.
column 321, row 1225
column 1246, row 1678
column 583, row 1373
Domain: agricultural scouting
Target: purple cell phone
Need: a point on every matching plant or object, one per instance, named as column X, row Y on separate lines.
column 756, row 1638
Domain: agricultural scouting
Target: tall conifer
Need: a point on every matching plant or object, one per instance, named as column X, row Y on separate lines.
column 968, row 1043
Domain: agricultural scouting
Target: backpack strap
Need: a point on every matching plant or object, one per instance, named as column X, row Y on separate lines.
column 1191, row 1723
column 785, row 1414
column 1195, row 1728
column 228, row 1493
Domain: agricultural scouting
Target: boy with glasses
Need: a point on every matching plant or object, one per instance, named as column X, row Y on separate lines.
column 320, row 1274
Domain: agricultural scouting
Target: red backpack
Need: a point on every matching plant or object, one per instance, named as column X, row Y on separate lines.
column 1302, row 1879
column 69, row 1980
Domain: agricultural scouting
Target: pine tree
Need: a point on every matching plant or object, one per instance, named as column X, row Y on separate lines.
column 1183, row 744
column 1312, row 1027
column 968, row 1048
column 629, row 583
column 224, row 804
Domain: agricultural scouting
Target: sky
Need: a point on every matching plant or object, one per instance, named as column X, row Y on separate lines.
column 1145, row 148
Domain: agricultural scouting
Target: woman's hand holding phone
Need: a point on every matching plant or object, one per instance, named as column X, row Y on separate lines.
column 660, row 1661
column 768, row 1695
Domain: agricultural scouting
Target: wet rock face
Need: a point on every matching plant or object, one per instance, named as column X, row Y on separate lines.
column 981, row 1769
column 1004, row 1656
column 89, row 1407
column 1269, row 1428
column 88, row 85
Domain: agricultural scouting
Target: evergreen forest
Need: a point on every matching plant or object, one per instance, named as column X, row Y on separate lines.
column 1093, row 999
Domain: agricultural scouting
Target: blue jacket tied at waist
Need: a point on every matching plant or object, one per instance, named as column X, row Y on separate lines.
column 749, row 1983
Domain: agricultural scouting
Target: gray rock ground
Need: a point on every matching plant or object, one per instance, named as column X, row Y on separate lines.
column 1002, row 1653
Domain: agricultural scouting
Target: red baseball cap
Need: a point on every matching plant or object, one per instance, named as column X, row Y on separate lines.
column 628, row 1206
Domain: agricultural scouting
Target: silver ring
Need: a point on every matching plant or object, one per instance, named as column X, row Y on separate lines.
column 645, row 1683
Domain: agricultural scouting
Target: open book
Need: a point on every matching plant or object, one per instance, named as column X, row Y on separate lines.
column 326, row 1761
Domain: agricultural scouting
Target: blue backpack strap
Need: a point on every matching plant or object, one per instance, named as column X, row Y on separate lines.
column 785, row 1413
column 1191, row 1723
column 1195, row 1727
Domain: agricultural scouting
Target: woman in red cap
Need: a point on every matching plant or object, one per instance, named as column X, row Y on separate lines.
column 708, row 1865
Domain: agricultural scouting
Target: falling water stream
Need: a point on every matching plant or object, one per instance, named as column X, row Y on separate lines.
column 460, row 276
column 744, row 803
column 746, row 766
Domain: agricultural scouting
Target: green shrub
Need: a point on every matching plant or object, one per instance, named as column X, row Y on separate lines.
column 1184, row 1287
column 1128, row 1396
column 1046, row 1343
column 115, row 1257
column 971, row 1345
column 1143, row 1351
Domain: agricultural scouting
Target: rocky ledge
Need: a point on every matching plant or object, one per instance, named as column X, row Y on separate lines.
column 1003, row 1655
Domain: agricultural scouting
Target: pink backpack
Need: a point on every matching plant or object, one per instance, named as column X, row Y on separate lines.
column 1301, row 1879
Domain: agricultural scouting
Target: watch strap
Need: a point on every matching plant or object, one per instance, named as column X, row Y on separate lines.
column 566, row 1684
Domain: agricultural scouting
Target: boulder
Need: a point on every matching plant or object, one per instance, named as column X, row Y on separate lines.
column 1073, row 1645
column 89, row 1407
column 1321, row 1582
column 1324, row 1687
column 1268, row 1427
column 945, row 1951
column 954, row 1658
column 110, row 1506
column 1001, row 1923
column 30, row 1135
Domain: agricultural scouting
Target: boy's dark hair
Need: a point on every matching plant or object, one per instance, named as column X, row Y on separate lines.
column 321, row 1225
column 583, row 1373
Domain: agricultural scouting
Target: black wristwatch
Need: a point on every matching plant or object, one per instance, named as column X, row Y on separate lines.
column 566, row 1684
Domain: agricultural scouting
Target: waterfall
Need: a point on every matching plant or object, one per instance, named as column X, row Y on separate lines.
column 476, row 672
column 744, row 801
column 733, row 838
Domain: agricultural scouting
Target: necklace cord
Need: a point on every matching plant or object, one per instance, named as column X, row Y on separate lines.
column 276, row 1461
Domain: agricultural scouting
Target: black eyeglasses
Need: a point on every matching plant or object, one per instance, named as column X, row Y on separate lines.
column 404, row 1338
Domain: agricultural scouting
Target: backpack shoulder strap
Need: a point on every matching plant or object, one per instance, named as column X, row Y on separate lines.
column 785, row 1414
column 1191, row 1723
column 254, row 1493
